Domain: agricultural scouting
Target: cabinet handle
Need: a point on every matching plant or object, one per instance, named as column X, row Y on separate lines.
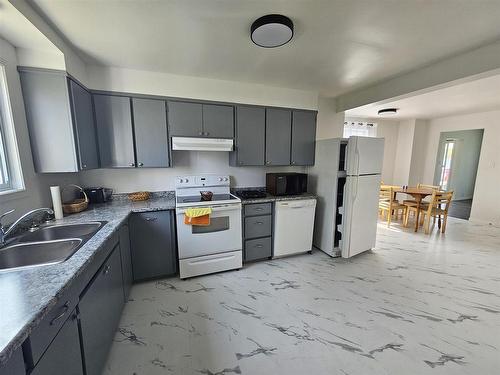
column 141, row 164
column 132, row 164
column 259, row 222
column 200, row 133
column 258, row 208
column 293, row 162
column 65, row 310
column 259, row 246
column 84, row 166
column 151, row 218
column 207, row 133
column 107, row 269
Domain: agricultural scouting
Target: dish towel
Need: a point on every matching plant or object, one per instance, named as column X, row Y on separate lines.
column 197, row 216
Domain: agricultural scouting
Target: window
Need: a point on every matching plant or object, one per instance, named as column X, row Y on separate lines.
column 11, row 179
column 363, row 129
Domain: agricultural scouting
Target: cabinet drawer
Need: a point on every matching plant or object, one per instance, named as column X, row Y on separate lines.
column 258, row 209
column 259, row 248
column 47, row 329
column 257, row 226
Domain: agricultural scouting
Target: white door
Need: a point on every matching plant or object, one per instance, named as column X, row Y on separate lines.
column 361, row 208
column 365, row 155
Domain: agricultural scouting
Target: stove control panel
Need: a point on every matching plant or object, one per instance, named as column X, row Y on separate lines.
column 202, row 181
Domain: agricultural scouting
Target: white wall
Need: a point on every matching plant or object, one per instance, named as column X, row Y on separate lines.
column 486, row 205
column 155, row 83
column 418, row 148
column 37, row 191
column 185, row 163
column 330, row 123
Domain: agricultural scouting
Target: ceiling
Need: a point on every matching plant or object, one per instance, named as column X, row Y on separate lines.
column 338, row 46
column 16, row 29
column 474, row 96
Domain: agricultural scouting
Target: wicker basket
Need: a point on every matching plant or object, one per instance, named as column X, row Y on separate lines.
column 139, row 196
column 77, row 205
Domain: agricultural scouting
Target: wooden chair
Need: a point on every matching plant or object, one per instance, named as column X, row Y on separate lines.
column 388, row 203
column 437, row 208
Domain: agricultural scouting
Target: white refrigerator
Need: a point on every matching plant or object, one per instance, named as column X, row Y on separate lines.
column 346, row 178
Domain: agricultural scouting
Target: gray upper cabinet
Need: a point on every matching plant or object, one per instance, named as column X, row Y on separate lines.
column 200, row 120
column 218, row 121
column 114, row 130
column 185, row 119
column 151, row 137
column 83, row 120
column 278, row 136
column 54, row 139
column 250, row 136
column 303, row 137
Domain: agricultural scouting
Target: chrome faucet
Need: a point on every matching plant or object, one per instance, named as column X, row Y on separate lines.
column 4, row 232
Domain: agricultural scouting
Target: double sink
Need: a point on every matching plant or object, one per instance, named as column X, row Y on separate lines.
column 49, row 244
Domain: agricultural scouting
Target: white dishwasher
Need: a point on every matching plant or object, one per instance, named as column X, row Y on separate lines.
column 293, row 226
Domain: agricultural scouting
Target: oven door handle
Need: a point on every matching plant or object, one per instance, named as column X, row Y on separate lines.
column 229, row 207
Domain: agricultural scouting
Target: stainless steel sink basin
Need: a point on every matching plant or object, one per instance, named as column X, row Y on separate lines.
column 63, row 231
column 37, row 253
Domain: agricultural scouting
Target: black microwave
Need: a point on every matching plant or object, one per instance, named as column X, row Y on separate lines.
column 286, row 183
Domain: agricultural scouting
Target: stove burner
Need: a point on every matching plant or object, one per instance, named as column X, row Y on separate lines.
column 249, row 194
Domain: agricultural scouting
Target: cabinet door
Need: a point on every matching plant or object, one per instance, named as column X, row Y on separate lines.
column 83, row 121
column 278, row 136
column 63, row 355
column 46, row 101
column 126, row 260
column 250, row 135
column 114, row 130
column 150, row 126
column 185, row 119
column 152, row 241
column 303, row 137
column 218, row 121
column 14, row 365
column 100, row 310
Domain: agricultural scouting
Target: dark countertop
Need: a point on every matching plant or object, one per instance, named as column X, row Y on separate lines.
column 274, row 198
column 27, row 295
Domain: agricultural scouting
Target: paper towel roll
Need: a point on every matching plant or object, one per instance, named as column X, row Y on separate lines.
column 55, row 192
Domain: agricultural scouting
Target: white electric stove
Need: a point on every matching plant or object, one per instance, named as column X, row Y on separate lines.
column 215, row 247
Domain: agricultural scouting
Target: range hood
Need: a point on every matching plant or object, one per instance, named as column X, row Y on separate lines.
column 202, row 144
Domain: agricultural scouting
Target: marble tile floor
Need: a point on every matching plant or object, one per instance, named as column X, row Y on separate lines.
column 417, row 304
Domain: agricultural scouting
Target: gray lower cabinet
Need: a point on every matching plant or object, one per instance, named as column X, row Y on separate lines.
column 303, row 137
column 250, row 137
column 60, row 121
column 64, row 353
column 85, row 131
column 153, row 245
column 278, row 136
column 100, row 310
column 257, row 231
column 114, row 130
column 127, row 274
column 150, row 130
column 15, row 364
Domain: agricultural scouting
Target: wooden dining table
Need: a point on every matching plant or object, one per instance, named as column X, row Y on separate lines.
column 418, row 194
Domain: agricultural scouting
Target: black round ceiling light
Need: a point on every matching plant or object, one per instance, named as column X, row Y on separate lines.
column 388, row 111
column 272, row 30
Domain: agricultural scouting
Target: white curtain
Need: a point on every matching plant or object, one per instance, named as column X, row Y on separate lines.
column 364, row 129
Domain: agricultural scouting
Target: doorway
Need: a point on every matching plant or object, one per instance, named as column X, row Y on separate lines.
column 456, row 168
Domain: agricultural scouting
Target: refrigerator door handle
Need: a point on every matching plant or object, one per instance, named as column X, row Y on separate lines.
column 357, row 159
